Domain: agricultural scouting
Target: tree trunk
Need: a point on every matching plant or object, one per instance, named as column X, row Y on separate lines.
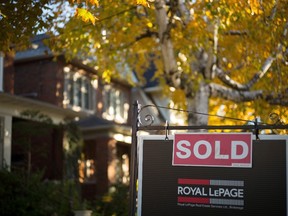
column 199, row 103
column 199, row 106
column 170, row 65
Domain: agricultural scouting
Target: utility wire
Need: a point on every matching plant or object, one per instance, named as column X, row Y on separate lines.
column 200, row 113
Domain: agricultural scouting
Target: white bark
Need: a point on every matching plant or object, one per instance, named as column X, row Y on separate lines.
column 217, row 90
column 169, row 61
column 245, row 87
column 198, row 105
column 184, row 12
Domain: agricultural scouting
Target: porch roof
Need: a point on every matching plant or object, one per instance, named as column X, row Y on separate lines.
column 14, row 105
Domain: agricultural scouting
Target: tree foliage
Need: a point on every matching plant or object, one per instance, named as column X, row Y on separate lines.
column 235, row 50
column 20, row 20
column 233, row 53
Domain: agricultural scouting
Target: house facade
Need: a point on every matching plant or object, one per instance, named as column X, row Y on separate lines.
column 36, row 83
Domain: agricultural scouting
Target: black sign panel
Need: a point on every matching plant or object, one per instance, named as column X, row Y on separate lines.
column 166, row 190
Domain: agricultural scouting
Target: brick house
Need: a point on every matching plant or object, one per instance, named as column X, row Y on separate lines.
column 36, row 80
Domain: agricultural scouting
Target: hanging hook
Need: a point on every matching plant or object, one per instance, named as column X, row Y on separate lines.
column 166, row 130
column 256, row 129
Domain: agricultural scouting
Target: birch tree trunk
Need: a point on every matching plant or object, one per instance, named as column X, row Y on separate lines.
column 200, row 101
column 170, row 65
column 199, row 105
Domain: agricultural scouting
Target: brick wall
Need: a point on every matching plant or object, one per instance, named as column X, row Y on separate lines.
column 8, row 85
column 41, row 79
column 103, row 151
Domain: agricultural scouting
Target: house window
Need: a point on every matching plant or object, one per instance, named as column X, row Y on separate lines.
column 79, row 91
column 125, row 168
column 116, row 104
column 87, row 171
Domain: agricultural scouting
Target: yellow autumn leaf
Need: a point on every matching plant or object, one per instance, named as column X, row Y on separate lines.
column 150, row 24
column 94, row 2
column 85, row 15
column 255, row 6
column 248, row 10
column 178, row 96
column 266, row 54
column 106, row 75
column 142, row 2
column 208, row 14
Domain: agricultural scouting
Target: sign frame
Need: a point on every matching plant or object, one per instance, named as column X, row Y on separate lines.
column 142, row 138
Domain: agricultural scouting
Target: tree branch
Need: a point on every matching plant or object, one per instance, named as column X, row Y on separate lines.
column 228, row 81
column 146, row 34
column 184, row 12
column 236, row 32
column 265, row 67
column 279, row 99
column 217, row 90
column 173, row 10
column 244, row 87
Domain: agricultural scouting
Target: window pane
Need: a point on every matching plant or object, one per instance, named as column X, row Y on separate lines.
column 79, row 91
column 87, row 171
column 85, row 93
column 71, row 91
column 116, row 104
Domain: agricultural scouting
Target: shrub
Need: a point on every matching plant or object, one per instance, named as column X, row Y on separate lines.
column 114, row 203
column 22, row 194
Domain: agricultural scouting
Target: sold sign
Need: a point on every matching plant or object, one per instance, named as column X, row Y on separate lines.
column 213, row 149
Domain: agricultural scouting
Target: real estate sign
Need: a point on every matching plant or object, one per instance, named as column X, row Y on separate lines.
column 212, row 174
column 222, row 150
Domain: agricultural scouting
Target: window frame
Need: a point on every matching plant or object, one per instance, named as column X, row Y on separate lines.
column 115, row 103
column 79, row 90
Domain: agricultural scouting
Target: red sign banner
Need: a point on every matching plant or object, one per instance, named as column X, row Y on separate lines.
column 213, row 149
